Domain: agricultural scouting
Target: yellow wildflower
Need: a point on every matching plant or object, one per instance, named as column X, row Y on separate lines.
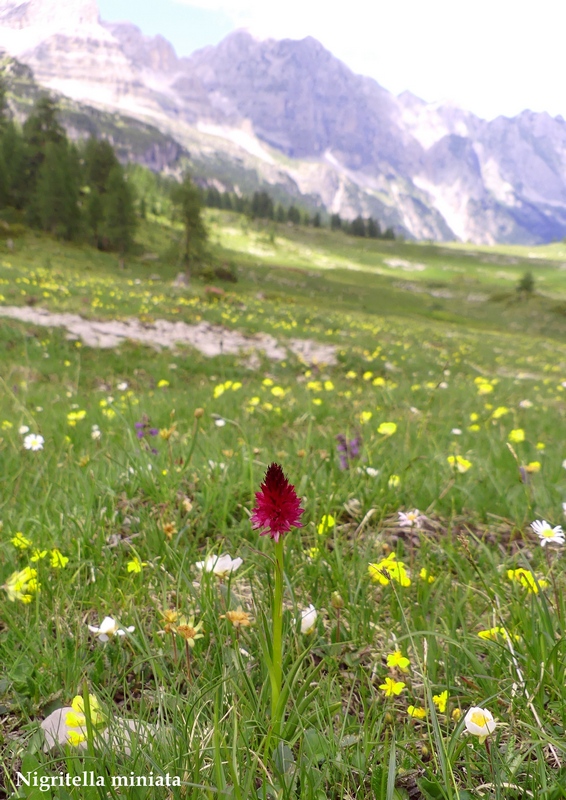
column 326, row 523
column 526, row 578
column 188, row 631
column 424, row 575
column 492, row 634
column 516, row 435
column 136, row 565
column 20, row 541
column 387, row 428
column 77, row 718
column 440, row 701
column 238, row 618
column 397, row 660
column 389, row 569
column 533, row 466
column 392, row 687
column 460, row 463
column 22, row 585
column 416, row 712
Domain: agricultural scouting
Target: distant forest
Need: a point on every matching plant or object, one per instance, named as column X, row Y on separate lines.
column 262, row 206
column 80, row 191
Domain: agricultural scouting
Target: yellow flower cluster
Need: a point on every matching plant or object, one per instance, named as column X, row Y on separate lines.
column 389, row 569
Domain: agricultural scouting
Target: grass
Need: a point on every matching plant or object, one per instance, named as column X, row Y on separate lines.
column 161, row 503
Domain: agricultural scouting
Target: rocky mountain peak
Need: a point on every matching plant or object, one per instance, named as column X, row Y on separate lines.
column 432, row 170
column 152, row 53
column 51, row 15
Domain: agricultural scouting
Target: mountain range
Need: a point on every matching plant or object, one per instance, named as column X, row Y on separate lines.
column 289, row 116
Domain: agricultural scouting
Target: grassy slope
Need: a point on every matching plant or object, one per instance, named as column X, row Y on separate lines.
column 404, row 356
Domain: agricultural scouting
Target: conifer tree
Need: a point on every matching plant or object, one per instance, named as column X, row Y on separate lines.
column 57, row 194
column 4, row 115
column 335, row 222
column 40, row 128
column 119, row 218
column 294, row 215
column 186, row 199
column 373, row 229
column 99, row 160
column 358, row 227
column 13, row 152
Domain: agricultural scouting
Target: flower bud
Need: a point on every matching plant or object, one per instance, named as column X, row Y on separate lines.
column 337, row 601
column 199, row 412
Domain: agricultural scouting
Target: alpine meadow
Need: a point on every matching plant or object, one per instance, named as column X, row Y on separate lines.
column 281, row 492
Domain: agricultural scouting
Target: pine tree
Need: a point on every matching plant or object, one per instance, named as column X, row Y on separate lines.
column 186, row 199
column 227, row 201
column 294, row 215
column 94, row 211
column 14, row 153
column 358, row 227
column 373, row 229
column 4, row 115
column 119, row 218
column 262, row 205
column 4, row 181
column 57, row 194
column 316, row 223
column 335, row 222
column 99, row 161
column 40, row 128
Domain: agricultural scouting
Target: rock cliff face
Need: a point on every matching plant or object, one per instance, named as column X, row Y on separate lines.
column 293, row 116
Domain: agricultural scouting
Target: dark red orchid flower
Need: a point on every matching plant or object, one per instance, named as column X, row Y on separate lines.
column 278, row 509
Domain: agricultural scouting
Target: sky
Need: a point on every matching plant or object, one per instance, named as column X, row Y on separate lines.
column 490, row 57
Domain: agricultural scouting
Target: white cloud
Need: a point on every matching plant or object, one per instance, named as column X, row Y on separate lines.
column 490, row 56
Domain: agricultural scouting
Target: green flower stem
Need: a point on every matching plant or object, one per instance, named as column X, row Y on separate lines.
column 277, row 641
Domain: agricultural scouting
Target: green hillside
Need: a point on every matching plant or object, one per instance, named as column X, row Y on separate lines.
column 444, row 401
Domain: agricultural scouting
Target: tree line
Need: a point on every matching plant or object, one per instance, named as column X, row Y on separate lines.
column 262, row 206
column 81, row 191
column 52, row 184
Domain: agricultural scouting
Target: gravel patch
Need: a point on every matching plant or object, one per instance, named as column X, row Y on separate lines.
column 210, row 340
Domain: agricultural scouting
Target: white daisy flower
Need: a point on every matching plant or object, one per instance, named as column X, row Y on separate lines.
column 122, row 386
column 546, row 533
column 525, row 404
column 411, row 519
column 456, row 431
column 220, row 565
column 220, row 423
column 108, row 628
column 34, row 441
column 23, row 429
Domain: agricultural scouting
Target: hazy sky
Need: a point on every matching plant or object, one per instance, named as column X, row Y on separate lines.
column 488, row 56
